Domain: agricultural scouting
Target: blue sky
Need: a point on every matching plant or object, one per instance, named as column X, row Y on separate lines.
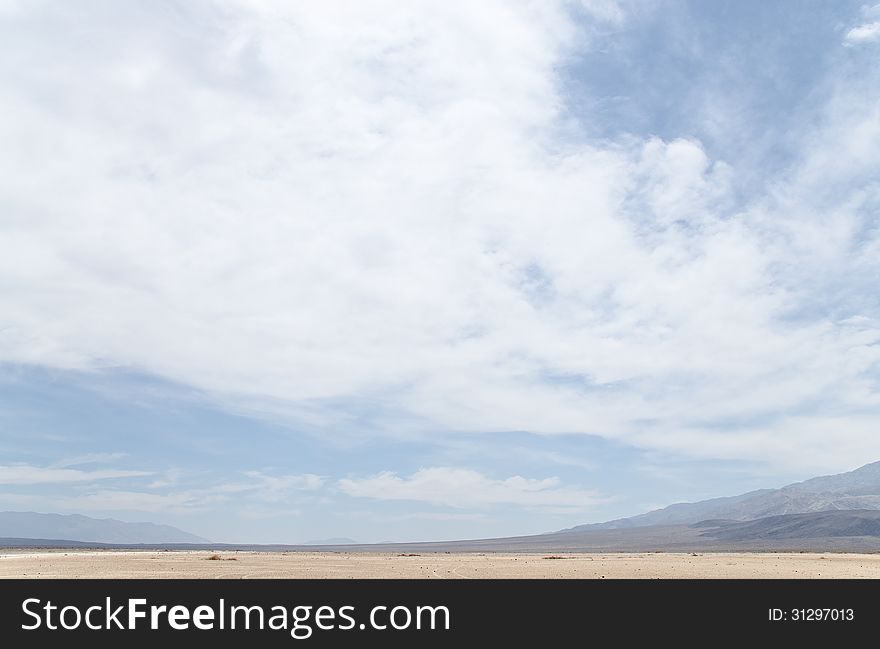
column 407, row 271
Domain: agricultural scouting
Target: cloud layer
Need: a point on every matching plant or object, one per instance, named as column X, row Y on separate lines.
column 25, row 474
column 349, row 215
column 464, row 488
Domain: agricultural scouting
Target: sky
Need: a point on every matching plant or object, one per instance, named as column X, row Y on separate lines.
column 283, row 272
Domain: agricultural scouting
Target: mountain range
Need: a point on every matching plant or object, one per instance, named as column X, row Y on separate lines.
column 73, row 527
column 858, row 489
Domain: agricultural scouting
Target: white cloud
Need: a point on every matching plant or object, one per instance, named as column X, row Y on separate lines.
column 168, row 478
column 127, row 500
column 446, row 516
column 303, row 206
column 259, row 488
column 304, row 482
column 868, row 31
column 469, row 489
column 272, row 488
column 864, row 33
column 25, row 474
column 89, row 458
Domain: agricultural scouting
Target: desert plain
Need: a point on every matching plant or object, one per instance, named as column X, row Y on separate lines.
column 113, row 564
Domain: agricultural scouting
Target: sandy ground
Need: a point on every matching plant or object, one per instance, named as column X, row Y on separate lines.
column 332, row 565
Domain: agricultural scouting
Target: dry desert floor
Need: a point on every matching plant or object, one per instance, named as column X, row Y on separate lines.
column 111, row 564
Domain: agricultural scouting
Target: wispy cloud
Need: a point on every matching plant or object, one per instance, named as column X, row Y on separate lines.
column 868, row 31
column 25, row 474
column 255, row 491
column 89, row 458
column 466, row 488
column 864, row 33
column 272, row 487
column 127, row 500
column 447, row 516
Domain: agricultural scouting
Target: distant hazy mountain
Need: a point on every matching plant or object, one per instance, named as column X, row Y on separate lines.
column 30, row 525
column 336, row 540
column 859, row 489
